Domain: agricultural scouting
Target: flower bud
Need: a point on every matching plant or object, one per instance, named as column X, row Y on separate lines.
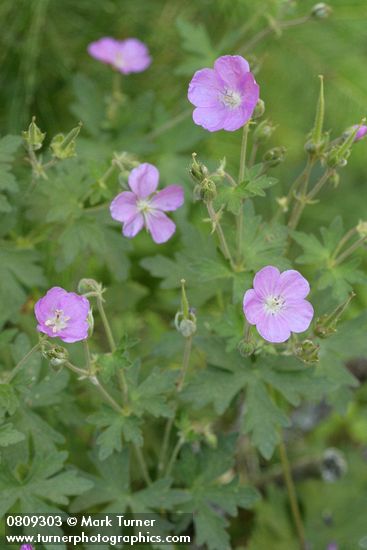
column 63, row 147
column 307, row 351
column 259, row 109
column 185, row 320
column 33, row 136
column 205, row 191
column 326, row 324
column 274, row 156
column 198, row 171
column 85, row 286
column 246, row 348
column 57, row 356
column 361, row 132
column 321, row 11
column 334, row 179
column 333, row 465
column 263, row 131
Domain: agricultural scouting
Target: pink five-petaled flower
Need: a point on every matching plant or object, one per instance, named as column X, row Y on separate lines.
column 225, row 97
column 143, row 206
column 127, row 56
column 277, row 305
column 63, row 314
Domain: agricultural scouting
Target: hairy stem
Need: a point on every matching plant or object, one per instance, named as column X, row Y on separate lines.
column 222, row 240
column 349, row 251
column 241, row 176
column 343, row 241
column 143, row 465
column 106, row 324
column 292, row 494
column 174, row 456
column 24, row 359
column 170, row 422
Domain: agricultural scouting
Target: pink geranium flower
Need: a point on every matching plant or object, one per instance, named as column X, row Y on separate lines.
column 63, row 314
column 26, row 547
column 277, row 305
column 142, row 206
column 225, row 97
column 127, row 56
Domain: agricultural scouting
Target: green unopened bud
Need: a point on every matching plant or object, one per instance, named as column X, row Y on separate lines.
column 33, row 136
column 275, row 156
column 185, row 320
column 246, row 348
column 259, row 109
column 63, row 147
column 335, row 158
column 308, row 351
column 362, row 229
column 263, row 131
column 317, row 139
column 86, row 286
column 321, row 11
column 198, row 170
column 205, row 191
column 57, row 356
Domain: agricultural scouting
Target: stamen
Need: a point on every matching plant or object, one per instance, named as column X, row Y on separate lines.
column 58, row 322
column 273, row 304
column 231, row 98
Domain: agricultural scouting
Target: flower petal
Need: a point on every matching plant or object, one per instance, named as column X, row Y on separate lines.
column 123, row 207
column 232, row 69
column 298, row 315
column 104, row 50
column 47, row 303
column 133, row 56
column 170, row 198
column 143, row 180
column 74, row 332
column 210, row 118
column 266, row 280
column 75, row 306
column 274, row 328
column 159, row 225
column 253, row 307
column 292, row 285
column 204, row 88
column 133, row 226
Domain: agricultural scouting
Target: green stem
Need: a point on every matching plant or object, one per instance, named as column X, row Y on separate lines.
column 185, row 363
column 241, row 176
column 292, row 494
column 87, row 356
column 19, row 365
column 269, row 30
column 171, row 123
column 222, row 240
column 143, row 465
column 170, row 422
column 174, row 456
column 319, row 185
column 300, row 185
column 349, row 251
column 106, row 324
column 343, row 241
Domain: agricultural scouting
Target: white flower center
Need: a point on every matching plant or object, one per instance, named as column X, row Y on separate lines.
column 231, row 99
column 143, row 206
column 119, row 60
column 58, row 322
column 273, row 304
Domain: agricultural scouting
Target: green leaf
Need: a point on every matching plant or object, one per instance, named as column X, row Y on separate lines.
column 195, row 41
column 46, row 480
column 210, row 498
column 151, row 395
column 8, row 147
column 18, row 270
column 263, row 244
column 117, row 426
column 263, row 418
column 9, row 436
